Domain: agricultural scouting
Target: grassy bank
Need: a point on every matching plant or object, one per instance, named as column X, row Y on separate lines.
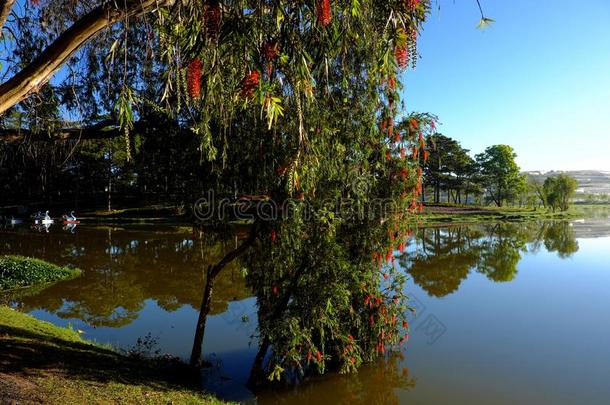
column 42, row 363
column 447, row 213
column 19, row 272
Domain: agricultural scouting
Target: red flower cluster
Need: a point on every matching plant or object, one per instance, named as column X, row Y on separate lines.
column 211, row 14
column 193, row 78
column 323, row 12
column 271, row 51
column 402, row 56
column 412, row 4
column 249, row 83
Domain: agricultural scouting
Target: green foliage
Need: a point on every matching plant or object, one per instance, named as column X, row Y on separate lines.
column 559, row 190
column 500, row 173
column 18, row 271
column 449, row 167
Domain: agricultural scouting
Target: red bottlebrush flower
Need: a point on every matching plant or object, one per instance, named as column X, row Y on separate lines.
column 420, row 138
column 273, row 236
column 388, row 255
column 405, row 324
column 391, row 83
column 367, row 300
column 323, row 12
column 211, row 15
column 193, row 78
column 388, row 156
column 390, row 127
column 309, row 356
column 371, row 320
column 414, row 123
column 350, row 338
column 318, row 356
column 426, row 155
column 415, row 152
column 281, row 170
column 404, row 172
column 271, row 51
column 412, row 4
column 401, row 247
column 396, row 136
column 381, row 348
column 413, row 205
column 402, row 56
column 249, row 83
column 402, row 152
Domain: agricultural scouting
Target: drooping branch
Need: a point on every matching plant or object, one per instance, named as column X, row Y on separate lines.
column 41, row 69
column 5, row 10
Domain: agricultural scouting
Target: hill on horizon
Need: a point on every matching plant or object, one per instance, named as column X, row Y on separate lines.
column 589, row 181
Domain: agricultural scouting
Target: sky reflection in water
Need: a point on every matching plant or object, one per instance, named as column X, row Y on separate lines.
column 506, row 312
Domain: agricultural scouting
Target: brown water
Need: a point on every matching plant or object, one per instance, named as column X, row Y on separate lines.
column 513, row 313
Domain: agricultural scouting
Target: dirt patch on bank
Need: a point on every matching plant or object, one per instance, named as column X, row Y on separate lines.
column 15, row 389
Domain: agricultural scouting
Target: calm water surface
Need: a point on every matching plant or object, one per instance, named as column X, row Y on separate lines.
column 511, row 313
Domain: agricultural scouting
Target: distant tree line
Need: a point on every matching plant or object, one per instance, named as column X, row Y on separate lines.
column 452, row 175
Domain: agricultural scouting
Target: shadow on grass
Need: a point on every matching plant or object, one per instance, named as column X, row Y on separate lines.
column 32, row 354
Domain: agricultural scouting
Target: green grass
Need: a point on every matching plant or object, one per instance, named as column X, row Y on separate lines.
column 20, row 272
column 434, row 214
column 43, row 363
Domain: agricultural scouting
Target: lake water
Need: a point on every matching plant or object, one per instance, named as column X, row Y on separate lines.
column 506, row 313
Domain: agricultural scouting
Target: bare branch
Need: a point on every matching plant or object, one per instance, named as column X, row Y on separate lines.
column 41, row 69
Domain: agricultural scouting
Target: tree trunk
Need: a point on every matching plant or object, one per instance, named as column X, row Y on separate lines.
column 257, row 373
column 43, row 67
column 206, row 304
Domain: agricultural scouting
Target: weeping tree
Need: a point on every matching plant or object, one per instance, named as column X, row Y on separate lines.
column 297, row 108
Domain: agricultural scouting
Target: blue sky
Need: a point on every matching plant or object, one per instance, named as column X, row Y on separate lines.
column 538, row 79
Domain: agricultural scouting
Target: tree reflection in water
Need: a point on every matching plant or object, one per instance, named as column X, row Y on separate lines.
column 123, row 269
column 374, row 384
column 443, row 257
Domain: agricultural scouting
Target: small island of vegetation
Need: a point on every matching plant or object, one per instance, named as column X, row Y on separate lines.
column 20, row 272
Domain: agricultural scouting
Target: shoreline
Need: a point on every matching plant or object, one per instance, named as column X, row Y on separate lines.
column 44, row 363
